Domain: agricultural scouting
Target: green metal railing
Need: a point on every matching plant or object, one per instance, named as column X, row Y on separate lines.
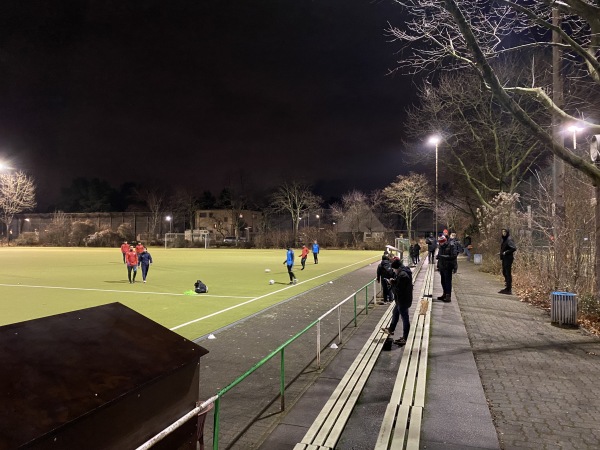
column 281, row 351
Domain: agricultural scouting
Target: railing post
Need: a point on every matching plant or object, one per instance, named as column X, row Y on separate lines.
column 355, row 321
column 319, row 344
column 282, row 380
column 216, row 423
column 367, row 297
column 340, row 324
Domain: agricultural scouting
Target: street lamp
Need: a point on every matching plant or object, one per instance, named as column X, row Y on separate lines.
column 319, row 222
column 435, row 140
column 574, row 129
column 170, row 220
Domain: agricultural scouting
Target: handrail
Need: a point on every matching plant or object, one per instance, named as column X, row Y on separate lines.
column 178, row 423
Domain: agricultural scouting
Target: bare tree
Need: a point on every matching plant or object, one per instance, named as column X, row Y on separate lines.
column 294, row 198
column 471, row 34
column 154, row 199
column 17, row 194
column 355, row 212
column 185, row 205
column 408, row 196
column 484, row 145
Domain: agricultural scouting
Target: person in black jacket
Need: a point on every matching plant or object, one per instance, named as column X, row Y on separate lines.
column 384, row 273
column 415, row 251
column 446, row 262
column 403, row 291
column 431, row 246
column 507, row 250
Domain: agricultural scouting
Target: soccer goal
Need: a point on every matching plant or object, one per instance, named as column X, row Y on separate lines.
column 174, row 240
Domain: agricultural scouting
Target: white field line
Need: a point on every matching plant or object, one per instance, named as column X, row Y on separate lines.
column 216, row 313
column 114, row 291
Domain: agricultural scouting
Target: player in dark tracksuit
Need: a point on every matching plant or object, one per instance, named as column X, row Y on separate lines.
column 144, row 261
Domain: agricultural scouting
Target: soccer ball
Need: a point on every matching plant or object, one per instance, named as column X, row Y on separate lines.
column 267, row 270
column 271, row 281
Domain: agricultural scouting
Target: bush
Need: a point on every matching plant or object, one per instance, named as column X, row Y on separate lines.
column 125, row 232
column 27, row 239
column 80, row 231
column 104, row 238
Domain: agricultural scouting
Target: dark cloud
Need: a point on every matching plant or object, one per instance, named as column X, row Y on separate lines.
column 194, row 93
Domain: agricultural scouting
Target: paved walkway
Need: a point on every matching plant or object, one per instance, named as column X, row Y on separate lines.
column 542, row 382
column 500, row 375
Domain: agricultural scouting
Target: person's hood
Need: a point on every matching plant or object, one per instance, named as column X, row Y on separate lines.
column 507, row 232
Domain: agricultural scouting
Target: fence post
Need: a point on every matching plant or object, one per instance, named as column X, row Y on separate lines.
column 282, row 380
column 339, row 324
column 216, row 423
column 355, row 321
column 319, row 344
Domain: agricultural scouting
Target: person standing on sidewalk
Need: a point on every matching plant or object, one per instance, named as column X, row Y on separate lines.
column 507, row 250
column 402, row 288
column 452, row 240
column 446, row 262
column 289, row 261
column 431, row 246
column 467, row 246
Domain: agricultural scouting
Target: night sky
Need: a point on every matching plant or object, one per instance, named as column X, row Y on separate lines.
column 202, row 93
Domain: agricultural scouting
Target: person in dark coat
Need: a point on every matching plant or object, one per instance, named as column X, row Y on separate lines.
column 467, row 246
column 507, row 250
column 431, row 246
column 415, row 251
column 403, row 292
column 446, row 262
column 384, row 273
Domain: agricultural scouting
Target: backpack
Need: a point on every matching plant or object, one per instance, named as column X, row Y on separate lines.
column 200, row 287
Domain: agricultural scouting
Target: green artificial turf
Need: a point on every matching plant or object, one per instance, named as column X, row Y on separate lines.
column 38, row 282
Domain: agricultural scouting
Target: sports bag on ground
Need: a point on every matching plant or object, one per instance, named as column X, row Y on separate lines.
column 200, row 287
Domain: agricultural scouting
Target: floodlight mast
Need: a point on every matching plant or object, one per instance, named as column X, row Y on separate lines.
column 435, row 140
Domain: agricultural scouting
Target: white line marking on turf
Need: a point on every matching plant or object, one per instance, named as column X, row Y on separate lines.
column 263, row 296
column 116, row 291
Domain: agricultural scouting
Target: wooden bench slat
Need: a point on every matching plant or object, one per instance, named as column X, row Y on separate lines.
column 400, row 431
column 336, row 416
column 422, row 368
column 375, row 341
column 414, row 430
column 387, row 426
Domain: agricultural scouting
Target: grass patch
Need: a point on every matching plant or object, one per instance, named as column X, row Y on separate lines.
column 38, row 282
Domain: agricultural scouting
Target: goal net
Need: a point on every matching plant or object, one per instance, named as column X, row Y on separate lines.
column 174, row 240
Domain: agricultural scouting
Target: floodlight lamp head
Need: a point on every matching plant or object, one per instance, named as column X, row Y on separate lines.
column 435, row 140
column 574, row 129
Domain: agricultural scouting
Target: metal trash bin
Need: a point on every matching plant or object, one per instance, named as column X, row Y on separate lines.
column 563, row 308
column 477, row 258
